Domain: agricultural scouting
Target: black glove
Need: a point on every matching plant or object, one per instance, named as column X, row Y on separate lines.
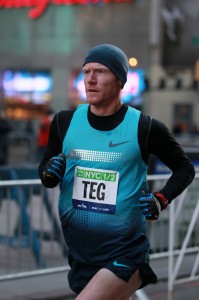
column 55, row 169
column 152, row 204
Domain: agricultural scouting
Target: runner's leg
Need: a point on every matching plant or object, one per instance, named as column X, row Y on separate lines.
column 105, row 285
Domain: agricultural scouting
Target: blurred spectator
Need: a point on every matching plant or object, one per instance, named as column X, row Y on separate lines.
column 5, row 128
column 184, row 128
column 178, row 127
column 194, row 129
column 29, row 128
column 43, row 132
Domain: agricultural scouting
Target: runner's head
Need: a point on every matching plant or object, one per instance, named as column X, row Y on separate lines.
column 112, row 57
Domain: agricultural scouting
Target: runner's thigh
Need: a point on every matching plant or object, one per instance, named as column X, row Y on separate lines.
column 105, row 285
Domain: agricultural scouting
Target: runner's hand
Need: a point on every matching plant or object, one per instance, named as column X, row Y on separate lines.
column 150, row 206
column 55, row 168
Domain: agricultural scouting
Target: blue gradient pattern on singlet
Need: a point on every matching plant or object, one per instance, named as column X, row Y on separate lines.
column 104, row 236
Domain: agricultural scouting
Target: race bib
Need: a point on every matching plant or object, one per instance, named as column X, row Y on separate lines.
column 95, row 190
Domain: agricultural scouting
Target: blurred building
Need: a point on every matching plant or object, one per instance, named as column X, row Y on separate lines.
column 42, row 49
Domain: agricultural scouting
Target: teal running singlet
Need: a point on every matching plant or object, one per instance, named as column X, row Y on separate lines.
column 99, row 198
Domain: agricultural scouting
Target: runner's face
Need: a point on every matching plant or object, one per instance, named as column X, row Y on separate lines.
column 101, row 85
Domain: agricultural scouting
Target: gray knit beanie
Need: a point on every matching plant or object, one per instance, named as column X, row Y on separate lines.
column 112, row 57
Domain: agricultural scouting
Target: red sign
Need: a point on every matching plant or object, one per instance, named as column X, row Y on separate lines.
column 37, row 7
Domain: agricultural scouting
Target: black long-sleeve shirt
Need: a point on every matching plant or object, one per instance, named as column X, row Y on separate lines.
column 153, row 138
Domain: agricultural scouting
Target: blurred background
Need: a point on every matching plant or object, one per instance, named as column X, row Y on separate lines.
column 42, row 48
column 43, row 44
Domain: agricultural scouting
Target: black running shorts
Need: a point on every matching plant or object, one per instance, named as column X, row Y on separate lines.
column 123, row 267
